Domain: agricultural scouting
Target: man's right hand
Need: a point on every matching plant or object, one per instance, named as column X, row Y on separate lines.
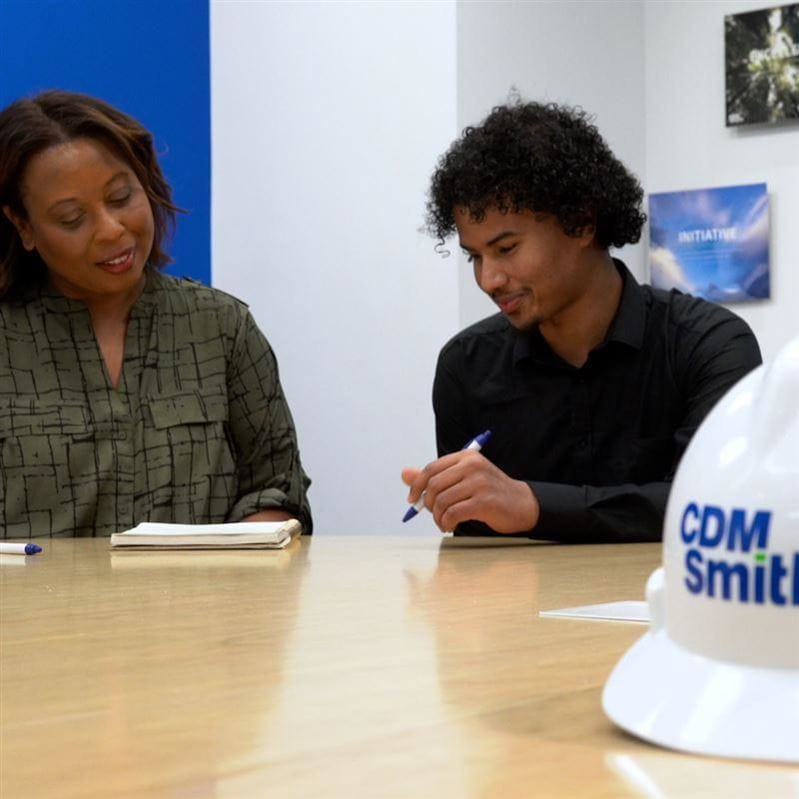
column 465, row 486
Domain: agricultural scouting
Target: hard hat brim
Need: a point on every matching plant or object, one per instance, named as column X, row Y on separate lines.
column 671, row 696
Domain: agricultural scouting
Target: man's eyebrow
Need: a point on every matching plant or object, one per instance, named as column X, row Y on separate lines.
column 497, row 238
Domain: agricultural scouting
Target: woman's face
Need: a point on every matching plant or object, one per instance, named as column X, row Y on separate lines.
column 89, row 219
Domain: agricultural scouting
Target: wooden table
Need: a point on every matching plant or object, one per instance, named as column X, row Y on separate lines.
column 343, row 666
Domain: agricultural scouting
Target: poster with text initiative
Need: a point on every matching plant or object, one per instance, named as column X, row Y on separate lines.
column 711, row 243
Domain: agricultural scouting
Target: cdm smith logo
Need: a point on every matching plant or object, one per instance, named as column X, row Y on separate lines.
column 727, row 557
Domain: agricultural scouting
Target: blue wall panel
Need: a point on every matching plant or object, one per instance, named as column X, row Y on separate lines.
column 150, row 58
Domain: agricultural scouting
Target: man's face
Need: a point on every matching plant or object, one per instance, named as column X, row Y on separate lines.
column 525, row 262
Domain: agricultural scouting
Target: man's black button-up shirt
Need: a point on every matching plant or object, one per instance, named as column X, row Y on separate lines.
column 598, row 444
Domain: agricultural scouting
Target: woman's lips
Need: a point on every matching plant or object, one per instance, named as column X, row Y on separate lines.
column 119, row 263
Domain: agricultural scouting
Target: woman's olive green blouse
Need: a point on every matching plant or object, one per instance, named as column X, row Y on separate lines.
column 198, row 430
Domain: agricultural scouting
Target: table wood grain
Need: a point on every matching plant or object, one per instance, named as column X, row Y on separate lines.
column 344, row 666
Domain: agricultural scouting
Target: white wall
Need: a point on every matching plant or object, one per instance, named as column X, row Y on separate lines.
column 582, row 52
column 689, row 147
column 327, row 119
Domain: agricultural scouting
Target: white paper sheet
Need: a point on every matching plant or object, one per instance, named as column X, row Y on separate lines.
column 624, row 610
column 232, row 528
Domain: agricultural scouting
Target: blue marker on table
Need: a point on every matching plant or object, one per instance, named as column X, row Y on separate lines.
column 7, row 548
column 477, row 443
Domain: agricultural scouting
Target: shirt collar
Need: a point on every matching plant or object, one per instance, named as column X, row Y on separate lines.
column 627, row 327
column 531, row 344
column 52, row 299
column 629, row 323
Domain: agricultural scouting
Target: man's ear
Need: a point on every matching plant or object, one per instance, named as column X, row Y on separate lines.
column 587, row 234
column 23, row 228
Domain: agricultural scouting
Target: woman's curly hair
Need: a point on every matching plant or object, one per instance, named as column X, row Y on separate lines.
column 545, row 158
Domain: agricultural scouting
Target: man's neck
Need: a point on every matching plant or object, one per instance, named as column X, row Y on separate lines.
column 585, row 323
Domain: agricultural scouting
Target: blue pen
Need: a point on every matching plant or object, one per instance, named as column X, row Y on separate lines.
column 18, row 549
column 477, row 443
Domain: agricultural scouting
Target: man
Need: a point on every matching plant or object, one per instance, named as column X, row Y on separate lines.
column 591, row 384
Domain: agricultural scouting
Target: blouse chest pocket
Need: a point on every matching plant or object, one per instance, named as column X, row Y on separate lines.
column 36, row 454
column 187, row 443
column 31, row 417
column 187, row 408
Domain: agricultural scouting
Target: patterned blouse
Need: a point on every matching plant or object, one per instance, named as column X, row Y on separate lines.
column 198, row 430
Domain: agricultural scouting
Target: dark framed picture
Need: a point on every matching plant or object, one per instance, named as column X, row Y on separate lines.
column 761, row 53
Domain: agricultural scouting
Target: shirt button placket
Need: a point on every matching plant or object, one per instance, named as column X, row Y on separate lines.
column 126, row 486
column 582, row 455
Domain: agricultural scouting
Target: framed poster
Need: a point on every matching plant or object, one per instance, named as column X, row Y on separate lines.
column 711, row 243
column 761, row 54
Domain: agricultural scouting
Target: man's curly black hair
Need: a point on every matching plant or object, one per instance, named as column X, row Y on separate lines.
column 545, row 158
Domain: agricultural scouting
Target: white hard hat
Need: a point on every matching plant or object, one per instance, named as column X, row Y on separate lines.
column 718, row 671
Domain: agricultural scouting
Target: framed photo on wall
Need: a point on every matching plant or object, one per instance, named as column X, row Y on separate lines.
column 761, row 53
column 712, row 243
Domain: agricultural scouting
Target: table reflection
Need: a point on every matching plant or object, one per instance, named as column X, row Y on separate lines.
column 166, row 651
column 515, row 685
column 672, row 774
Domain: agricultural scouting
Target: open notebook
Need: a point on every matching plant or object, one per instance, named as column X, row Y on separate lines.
column 242, row 535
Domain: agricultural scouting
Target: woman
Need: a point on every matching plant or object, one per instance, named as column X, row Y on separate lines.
column 125, row 395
